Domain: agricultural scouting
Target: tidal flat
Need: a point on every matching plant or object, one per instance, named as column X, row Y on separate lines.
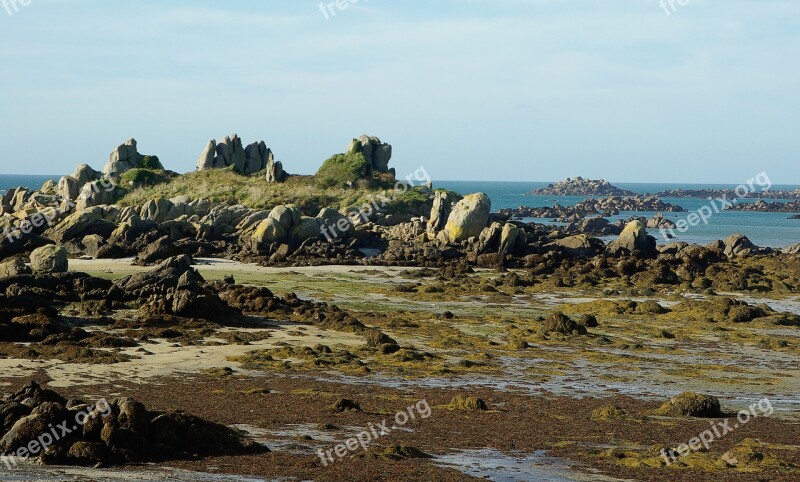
column 570, row 381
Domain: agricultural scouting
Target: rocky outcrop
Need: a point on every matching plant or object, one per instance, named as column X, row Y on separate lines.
column 13, row 267
column 377, row 153
column 582, row 187
column 126, row 157
column 468, row 217
column 634, row 239
column 442, row 205
column 285, row 225
column 609, row 206
column 69, row 187
column 579, row 245
column 111, row 432
column 49, row 259
column 275, row 171
column 175, row 288
column 739, row 245
column 230, row 152
column 659, row 221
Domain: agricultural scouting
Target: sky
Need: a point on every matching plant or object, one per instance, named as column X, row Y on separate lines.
column 517, row 90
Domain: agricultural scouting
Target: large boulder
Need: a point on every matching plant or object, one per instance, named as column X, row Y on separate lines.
column 468, row 218
column 206, row 159
column 80, row 224
column 287, row 215
column 510, row 239
column 579, row 245
column 739, row 245
column 97, row 193
column 634, row 239
column 308, row 228
column 269, row 231
column 442, row 205
column 334, row 223
column 49, row 259
column 157, row 210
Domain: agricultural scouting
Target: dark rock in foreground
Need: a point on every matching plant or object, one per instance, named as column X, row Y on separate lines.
column 107, row 433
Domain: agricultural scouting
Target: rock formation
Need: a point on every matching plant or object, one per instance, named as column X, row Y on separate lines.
column 468, row 217
column 126, row 157
column 582, row 187
column 377, row 153
column 49, row 259
column 230, row 152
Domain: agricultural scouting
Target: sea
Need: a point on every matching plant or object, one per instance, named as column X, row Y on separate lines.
column 764, row 229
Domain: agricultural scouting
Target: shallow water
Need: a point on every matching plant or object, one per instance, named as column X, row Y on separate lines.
column 499, row 467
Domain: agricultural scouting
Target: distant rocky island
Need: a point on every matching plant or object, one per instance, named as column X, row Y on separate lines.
column 582, row 187
column 768, row 207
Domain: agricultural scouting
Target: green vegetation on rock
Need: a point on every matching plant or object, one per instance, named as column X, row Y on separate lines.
column 343, row 169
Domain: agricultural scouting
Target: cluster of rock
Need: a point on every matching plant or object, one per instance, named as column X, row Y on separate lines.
column 377, row 153
column 245, row 160
column 730, row 194
column 111, row 433
column 767, row 207
column 582, row 187
column 609, row 206
column 126, row 157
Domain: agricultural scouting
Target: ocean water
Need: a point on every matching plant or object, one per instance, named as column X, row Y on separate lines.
column 764, row 229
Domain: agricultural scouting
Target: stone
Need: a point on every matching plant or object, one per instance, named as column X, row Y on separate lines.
column 92, row 244
column 579, row 245
column 97, row 193
column 13, row 267
column 308, row 228
column 157, row 210
column 442, row 206
column 286, row 215
column 468, row 217
column 634, row 239
column 206, row 159
column 80, row 224
column 377, row 153
column 690, row 404
column 510, row 239
column 489, row 239
column 122, row 159
column 159, row 250
column 49, row 259
column 334, row 223
column 739, row 245
column 49, row 187
column 275, row 171
column 268, row 231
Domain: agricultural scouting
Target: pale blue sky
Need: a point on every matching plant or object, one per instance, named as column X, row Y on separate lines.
column 528, row 90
